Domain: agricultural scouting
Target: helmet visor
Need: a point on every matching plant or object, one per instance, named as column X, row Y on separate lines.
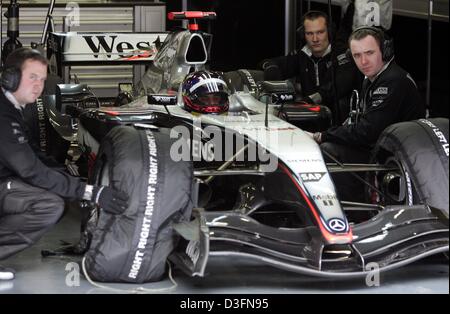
column 213, row 99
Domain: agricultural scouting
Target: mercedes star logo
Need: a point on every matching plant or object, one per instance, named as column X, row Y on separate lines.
column 337, row 225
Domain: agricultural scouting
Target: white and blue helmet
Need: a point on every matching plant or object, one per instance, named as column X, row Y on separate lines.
column 205, row 92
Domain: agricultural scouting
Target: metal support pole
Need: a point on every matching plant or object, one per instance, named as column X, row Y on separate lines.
column 337, row 111
column 290, row 13
column 12, row 32
column 430, row 26
column 48, row 23
column 184, row 7
column 228, row 163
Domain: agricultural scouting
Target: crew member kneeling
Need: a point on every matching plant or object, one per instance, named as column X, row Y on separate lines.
column 32, row 186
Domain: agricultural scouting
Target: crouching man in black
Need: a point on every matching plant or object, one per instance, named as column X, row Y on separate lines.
column 389, row 95
column 32, row 189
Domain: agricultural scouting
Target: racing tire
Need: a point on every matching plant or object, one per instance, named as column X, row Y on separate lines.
column 133, row 247
column 420, row 150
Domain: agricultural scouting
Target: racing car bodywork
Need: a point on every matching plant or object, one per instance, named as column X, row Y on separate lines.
column 290, row 216
column 280, row 207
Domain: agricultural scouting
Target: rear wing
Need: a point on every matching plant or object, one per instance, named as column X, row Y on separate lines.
column 75, row 48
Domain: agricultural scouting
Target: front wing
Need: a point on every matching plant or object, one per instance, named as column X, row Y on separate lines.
column 394, row 238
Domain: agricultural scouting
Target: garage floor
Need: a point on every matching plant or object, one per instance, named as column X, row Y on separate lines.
column 224, row 276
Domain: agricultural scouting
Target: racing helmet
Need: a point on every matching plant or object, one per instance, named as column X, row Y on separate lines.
column 205, row 92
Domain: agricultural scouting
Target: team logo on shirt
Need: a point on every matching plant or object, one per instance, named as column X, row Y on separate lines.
column 376, row 103
column 342, row 59
column 381, row 91
column 18, row 134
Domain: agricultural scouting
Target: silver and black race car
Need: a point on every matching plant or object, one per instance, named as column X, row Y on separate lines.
column 248, row 181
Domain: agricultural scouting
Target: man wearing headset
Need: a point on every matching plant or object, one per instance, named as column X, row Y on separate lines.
column 312, row 65
column 389, row 95
column 32, row 189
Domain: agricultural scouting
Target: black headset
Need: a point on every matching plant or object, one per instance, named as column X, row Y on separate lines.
column 10, row 79
column 12, row 72
column 314, row 15
column 386, row 43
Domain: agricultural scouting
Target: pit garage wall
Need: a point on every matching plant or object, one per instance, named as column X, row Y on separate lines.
column 419, row 9
column 95, row 17
column 246, row 32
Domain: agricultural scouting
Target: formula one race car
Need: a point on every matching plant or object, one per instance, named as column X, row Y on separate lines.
column 213, row 172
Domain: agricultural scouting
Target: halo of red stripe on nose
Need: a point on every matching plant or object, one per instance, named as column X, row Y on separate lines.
column 329, row 237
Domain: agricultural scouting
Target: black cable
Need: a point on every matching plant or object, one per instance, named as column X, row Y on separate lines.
column 337, row 111
column 167, row 110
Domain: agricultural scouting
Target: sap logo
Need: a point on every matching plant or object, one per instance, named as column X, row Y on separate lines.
column 201, row 150
column 108, row 45
column 312, row 176
column 381, row 91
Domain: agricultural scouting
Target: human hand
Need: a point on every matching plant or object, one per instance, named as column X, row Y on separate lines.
column 110, row 200
column 317, row 137
column 311, row 135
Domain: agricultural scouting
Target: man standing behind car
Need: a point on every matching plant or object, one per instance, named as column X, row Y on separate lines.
column 312, row 66
column 389, row 95
column 32, row 188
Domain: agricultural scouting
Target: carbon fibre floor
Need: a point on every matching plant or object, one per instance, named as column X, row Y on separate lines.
column 224, row 276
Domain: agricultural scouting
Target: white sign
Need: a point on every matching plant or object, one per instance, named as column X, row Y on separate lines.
column 116, row 47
